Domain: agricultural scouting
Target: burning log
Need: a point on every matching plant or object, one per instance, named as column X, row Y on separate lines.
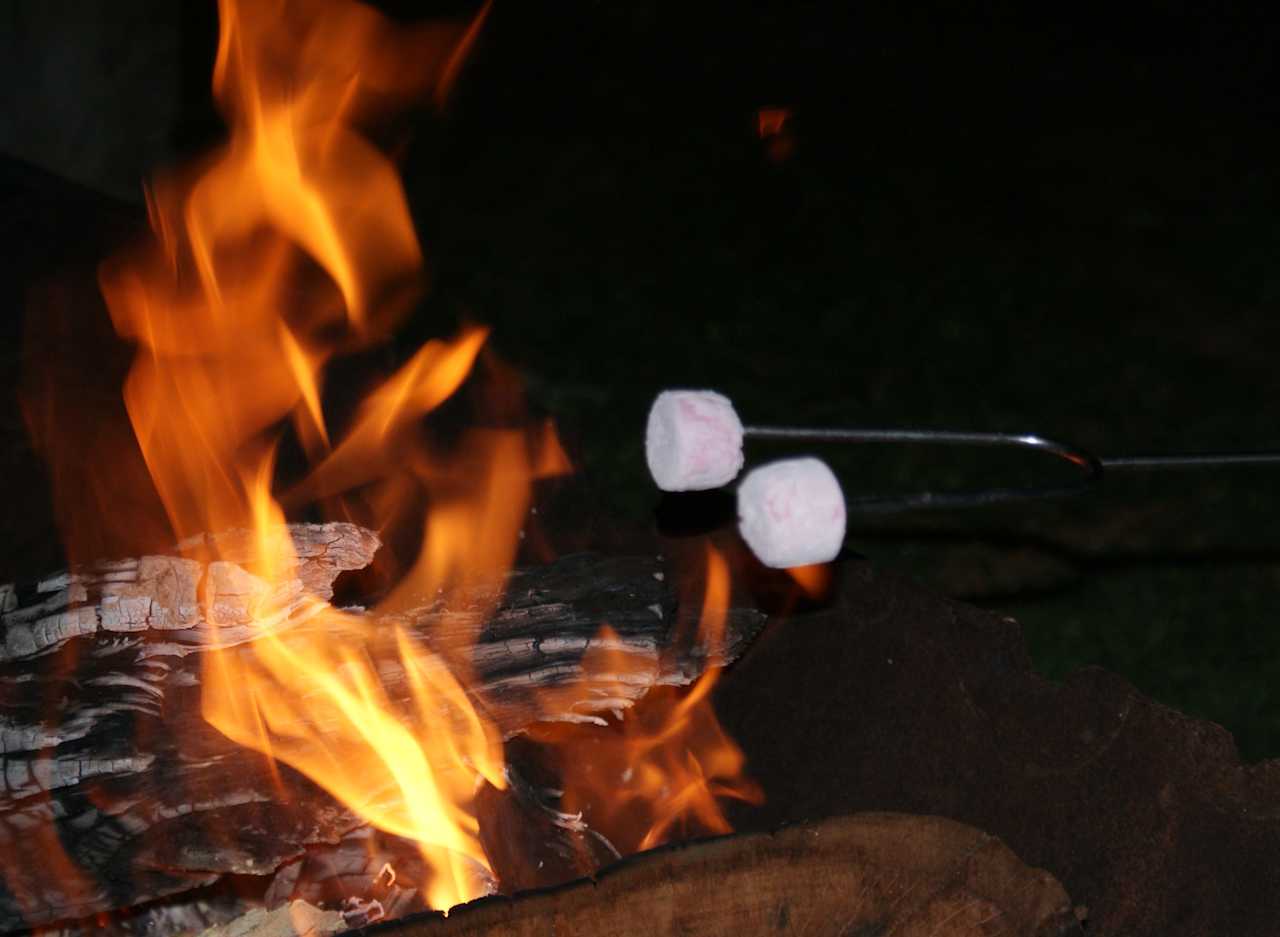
column 872, row 873
column 297, row 919
column 106, row 757
column 169, row 594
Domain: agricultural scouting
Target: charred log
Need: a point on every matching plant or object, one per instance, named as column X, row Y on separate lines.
column 115, row 791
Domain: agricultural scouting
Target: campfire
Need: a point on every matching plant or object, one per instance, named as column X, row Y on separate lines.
column 217, row 711
column 327, row 687
column 329, row 430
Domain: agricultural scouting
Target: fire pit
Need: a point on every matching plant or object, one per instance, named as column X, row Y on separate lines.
column 157, row 822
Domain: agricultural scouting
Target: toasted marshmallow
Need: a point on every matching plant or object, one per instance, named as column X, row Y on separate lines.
column 693, row 441
column 792, row 512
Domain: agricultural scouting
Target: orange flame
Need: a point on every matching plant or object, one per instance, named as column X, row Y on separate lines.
column 316, row 700
column 813, row 580
column 667, row 764
column 290, row 245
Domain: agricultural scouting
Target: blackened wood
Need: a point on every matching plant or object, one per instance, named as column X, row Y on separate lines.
column 162, row 599
column 379, row 873
column 107, row 759
column 866, row 874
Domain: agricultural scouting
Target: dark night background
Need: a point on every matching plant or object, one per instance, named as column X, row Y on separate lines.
column 999, row 220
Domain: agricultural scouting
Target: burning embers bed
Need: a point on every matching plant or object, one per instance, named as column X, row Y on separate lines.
column 188, row 736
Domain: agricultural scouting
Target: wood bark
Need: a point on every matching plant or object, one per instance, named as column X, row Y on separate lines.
column 863, row 874
column 114, row 790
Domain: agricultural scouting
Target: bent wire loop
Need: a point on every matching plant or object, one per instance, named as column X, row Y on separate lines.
column 1092, row 468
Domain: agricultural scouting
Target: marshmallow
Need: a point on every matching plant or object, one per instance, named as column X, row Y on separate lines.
column 792, row 513
column 693, row 440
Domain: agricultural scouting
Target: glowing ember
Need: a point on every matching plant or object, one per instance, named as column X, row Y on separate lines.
column 773, row 126
column 770, row 121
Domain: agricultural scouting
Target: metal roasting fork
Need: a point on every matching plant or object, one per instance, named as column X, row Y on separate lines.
column 1092, row 468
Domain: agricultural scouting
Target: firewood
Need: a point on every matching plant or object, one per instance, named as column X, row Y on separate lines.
column 296, row 919
column 162, row 594
column 871, row 873
column 104, row 753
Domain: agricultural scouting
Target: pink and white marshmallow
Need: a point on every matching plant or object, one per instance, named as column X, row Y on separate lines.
column 693, row 441
column 792, row 512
